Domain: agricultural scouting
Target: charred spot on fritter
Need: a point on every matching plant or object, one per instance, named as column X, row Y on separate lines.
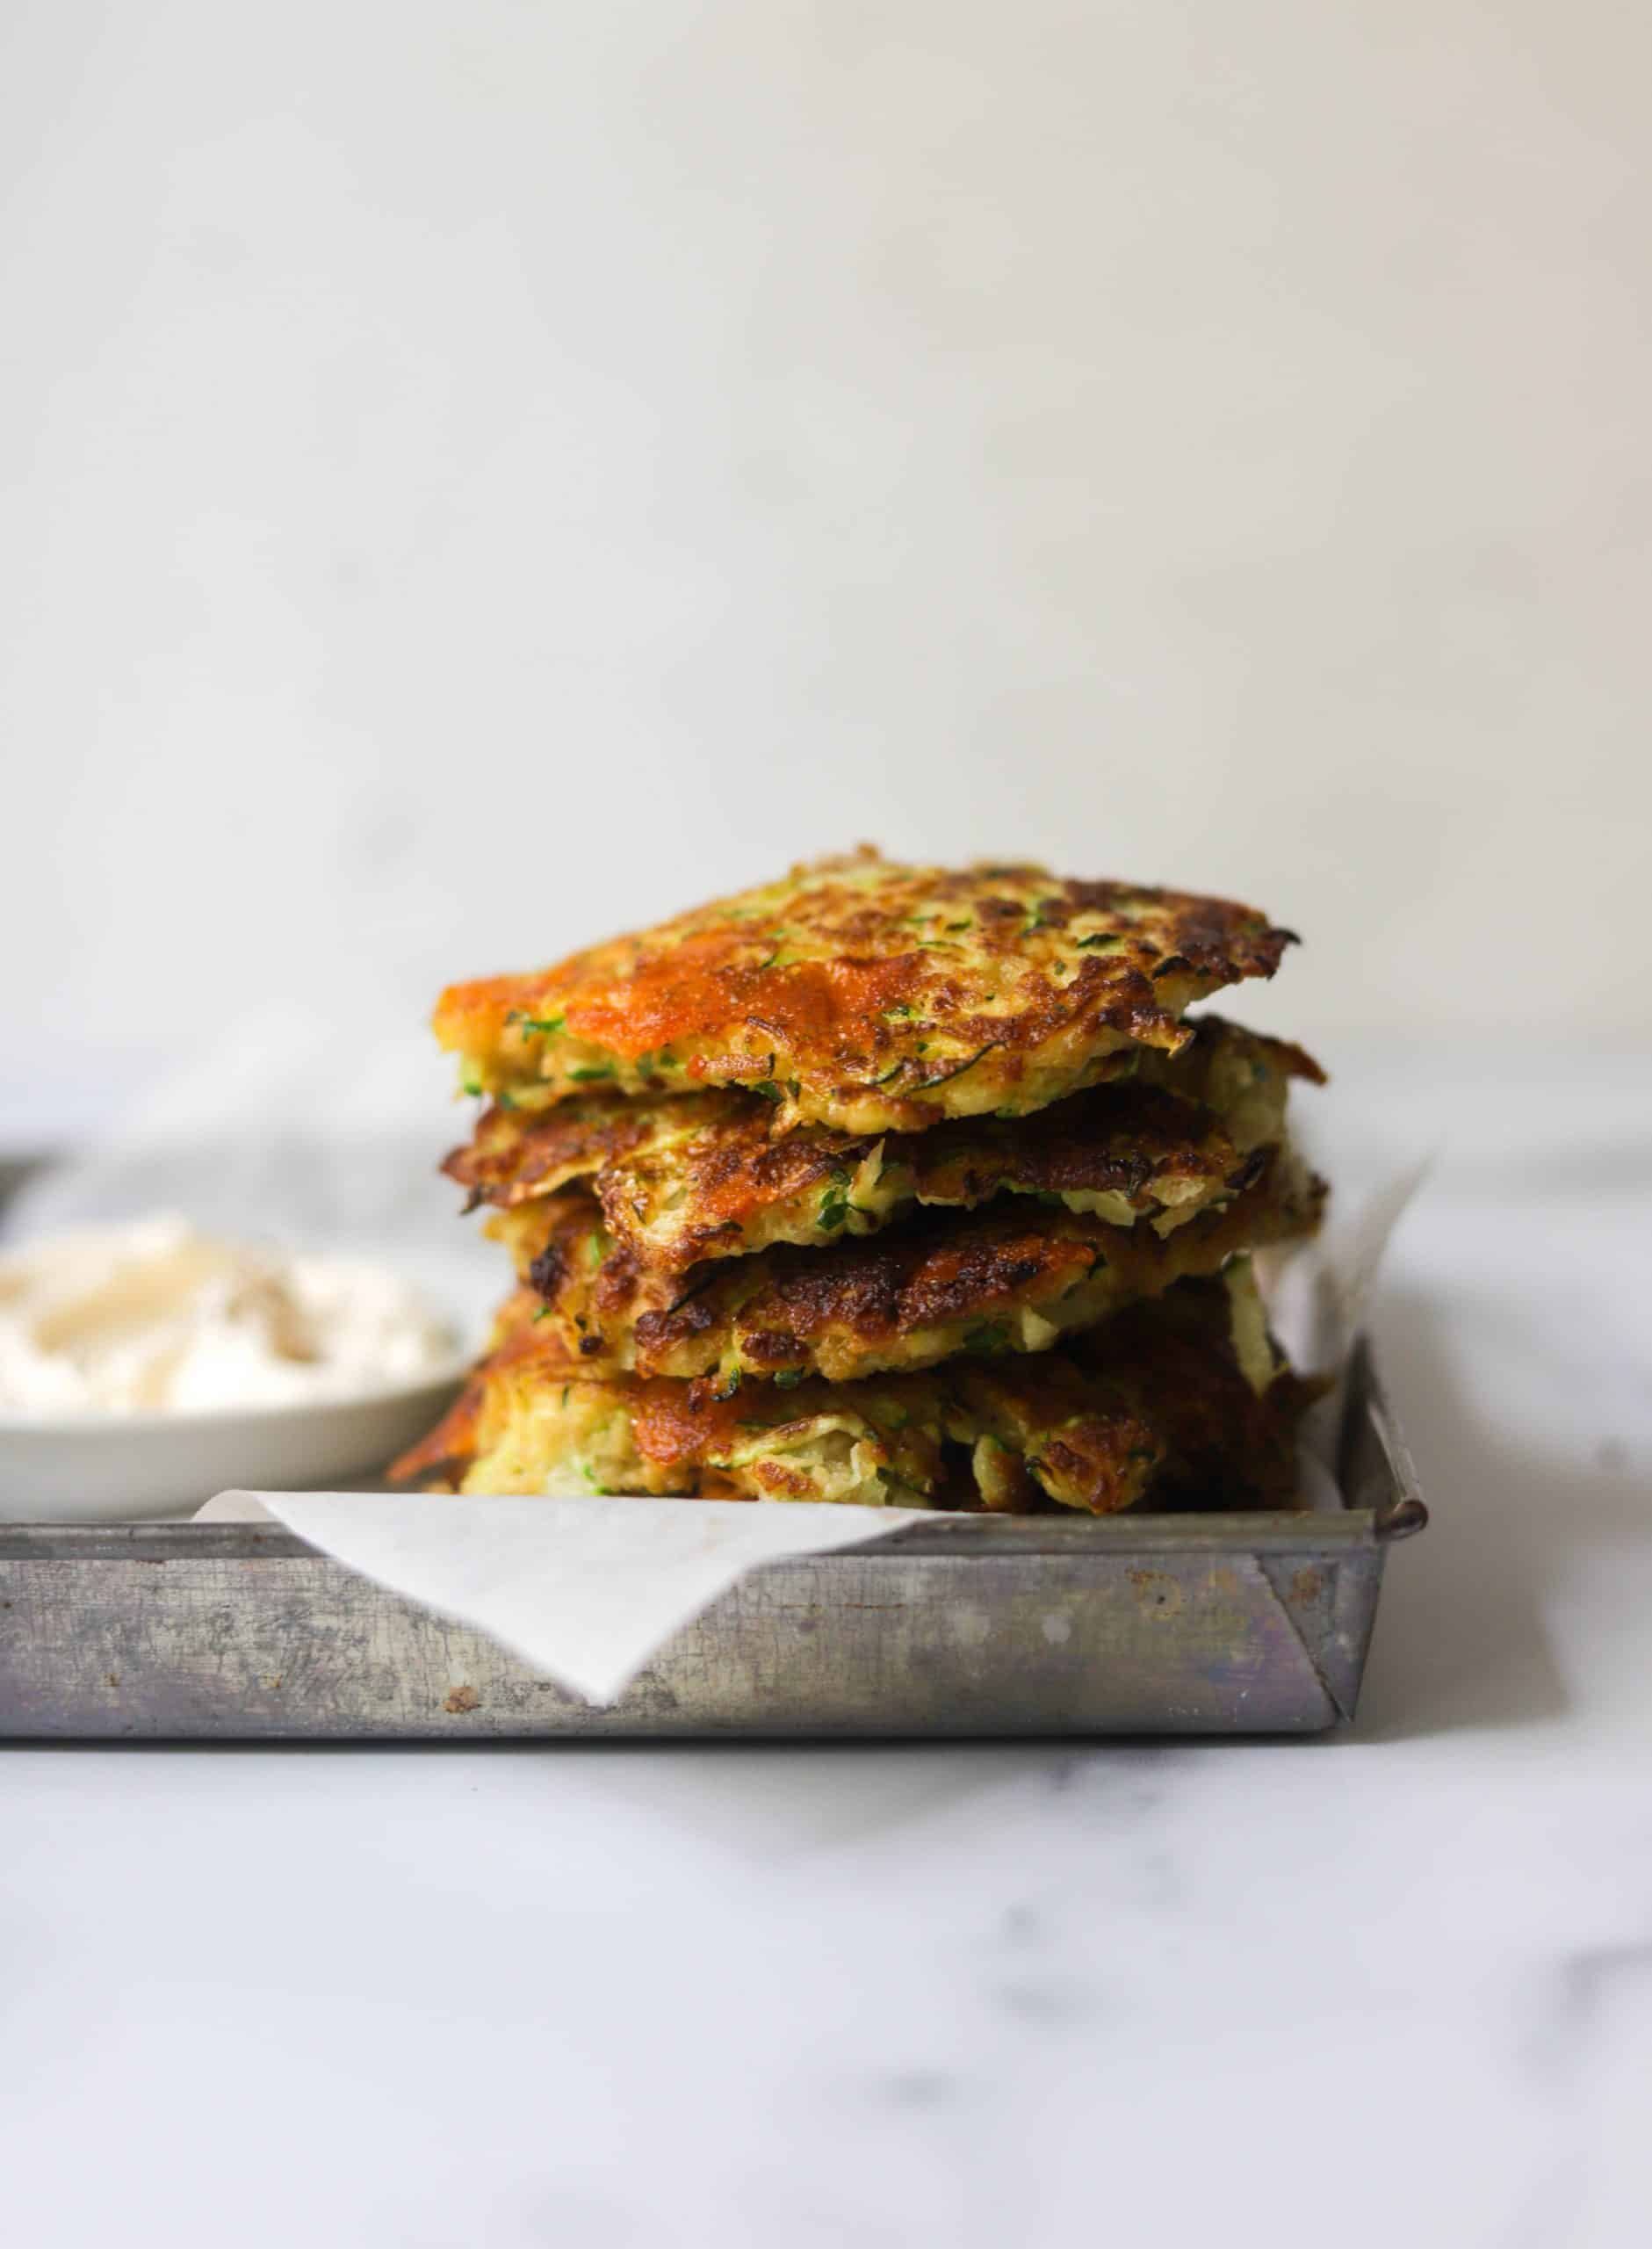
column 548, row 1270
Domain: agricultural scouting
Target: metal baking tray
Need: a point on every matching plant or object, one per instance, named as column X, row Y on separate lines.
column 990, row 1625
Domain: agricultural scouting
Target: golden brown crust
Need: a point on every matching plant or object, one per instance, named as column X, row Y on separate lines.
column 515, row 1155
column 868, row 997
column 1007, row 1278
column 1129, row 1142
column 1219, row 1440
column 441, row 1458
column 704, row 1175
column 1153, row 1404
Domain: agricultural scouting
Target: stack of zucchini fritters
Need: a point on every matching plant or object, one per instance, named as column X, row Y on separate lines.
column 885, row 1184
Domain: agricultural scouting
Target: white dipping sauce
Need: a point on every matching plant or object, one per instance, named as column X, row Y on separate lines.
column 156, row 1318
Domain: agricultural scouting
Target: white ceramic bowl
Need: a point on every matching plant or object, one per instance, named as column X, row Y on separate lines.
column 89, row 1469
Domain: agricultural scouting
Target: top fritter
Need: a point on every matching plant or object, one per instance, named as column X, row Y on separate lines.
column 867, row 996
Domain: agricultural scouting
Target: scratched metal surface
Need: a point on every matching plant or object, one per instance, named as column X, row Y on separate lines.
column 991, row 1626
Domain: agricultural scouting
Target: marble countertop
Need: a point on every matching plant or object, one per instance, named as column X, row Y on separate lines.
column 1395, row 1985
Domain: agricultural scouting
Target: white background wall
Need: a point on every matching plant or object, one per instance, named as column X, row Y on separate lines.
column 476, row 475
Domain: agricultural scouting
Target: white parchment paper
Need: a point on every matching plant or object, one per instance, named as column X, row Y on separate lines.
column 585, row 1590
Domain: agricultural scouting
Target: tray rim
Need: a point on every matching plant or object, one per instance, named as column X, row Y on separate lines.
column 1306, row 1532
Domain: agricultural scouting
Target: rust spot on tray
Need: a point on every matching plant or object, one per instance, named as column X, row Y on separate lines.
column 1159, row 1595
column 1307, row 1585
column 461, row 1700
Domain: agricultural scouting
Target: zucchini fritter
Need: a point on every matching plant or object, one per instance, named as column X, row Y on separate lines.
column 702, row 1176
column 868, row 997
column 1157, row 1401
column 1005, row 1279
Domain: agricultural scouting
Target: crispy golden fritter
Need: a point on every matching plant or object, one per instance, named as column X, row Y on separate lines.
column 525, row 1424
column 704, row 1175
column 867, row 996
column 515, row 1155
column 1155, row 1403
column 1013, row 1278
